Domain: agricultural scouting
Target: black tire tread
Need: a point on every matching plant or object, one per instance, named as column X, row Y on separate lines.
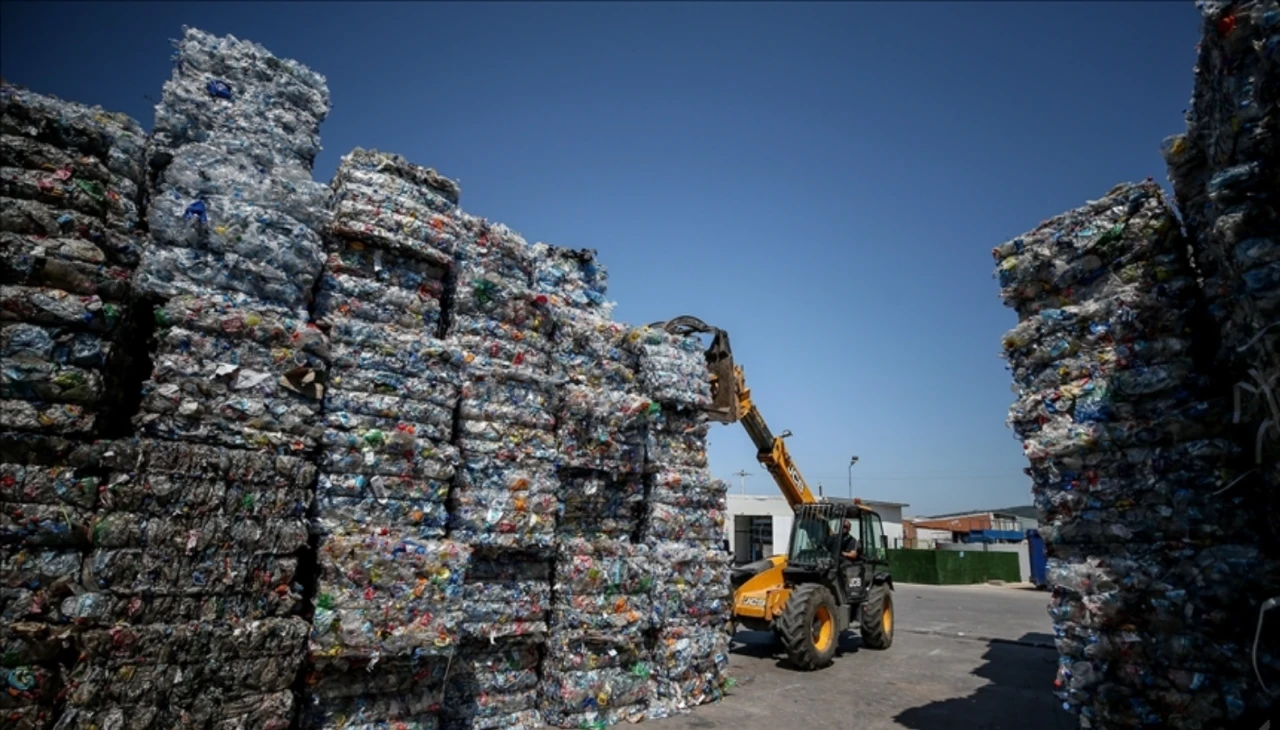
column 795, row 627
column 872, row 629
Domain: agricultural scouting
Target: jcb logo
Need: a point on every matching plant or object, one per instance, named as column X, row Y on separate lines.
column 855, row 582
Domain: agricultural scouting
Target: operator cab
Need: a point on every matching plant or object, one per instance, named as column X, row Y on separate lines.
column 814, row 554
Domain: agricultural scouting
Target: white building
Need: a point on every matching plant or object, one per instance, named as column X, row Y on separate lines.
column 759, row 525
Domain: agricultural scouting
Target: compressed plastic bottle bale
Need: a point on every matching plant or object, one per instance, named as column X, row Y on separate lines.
column 394, row 352
column 589, row 351
column 370, row 168
column 70, row 228
column 209, row 710
column 227, row 88
column 69, row 264
column 1128, row 236
column 347, row 296
column 363, row 575
column 493, row 686
column 57, row 308
column 576, row 699
column 36, row 581
column 402, row 691
column 501, row 347
column 485, row 308
column 408, row 458
column 200, row 245
column 574, row 277
column 506, row 397
column 672, row 368
column 505, row 503
column 235, row 226
column 115, row 140
column 170, row 271
column 687, row 488
column 689, row 667
column 616, row 614
column 62, row 190
column 666, row 522
column 678, row 439
column 48, row 490
column 495, row 519
column 134, row 571
column 362, row 501
column 507, row 593
column 492, row 248
column 597, row 505
column 602, row 566
column 246, row 376
column 1128, row 465
column 389, row 203
column 434, row 384
column 212, row 173
column 145, row 545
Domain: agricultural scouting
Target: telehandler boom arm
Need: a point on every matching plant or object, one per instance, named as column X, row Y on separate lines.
column 731, row 402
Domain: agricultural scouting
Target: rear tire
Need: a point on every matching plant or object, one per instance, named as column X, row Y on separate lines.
column 807, row 627
column 877, row 618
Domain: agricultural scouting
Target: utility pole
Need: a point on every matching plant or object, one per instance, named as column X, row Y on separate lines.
column 742, row 475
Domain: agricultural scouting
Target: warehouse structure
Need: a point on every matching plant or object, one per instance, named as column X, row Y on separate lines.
column 762, row 524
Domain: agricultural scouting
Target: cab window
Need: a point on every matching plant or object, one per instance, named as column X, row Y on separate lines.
column 874, row 548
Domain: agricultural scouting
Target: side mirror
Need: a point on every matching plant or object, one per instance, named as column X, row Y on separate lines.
column 785, row 434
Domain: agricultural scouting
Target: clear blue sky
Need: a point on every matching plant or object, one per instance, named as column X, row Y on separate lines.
column 824, row 181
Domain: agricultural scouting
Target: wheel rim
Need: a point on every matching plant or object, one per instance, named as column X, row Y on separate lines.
column 822, row 628
column 887, row 618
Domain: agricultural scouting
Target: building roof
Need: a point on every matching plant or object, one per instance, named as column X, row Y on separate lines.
column 970, row 513
column 846, row 500
column 836, row 500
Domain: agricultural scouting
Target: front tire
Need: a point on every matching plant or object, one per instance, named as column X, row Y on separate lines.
column 877, row 618
column 807, row 627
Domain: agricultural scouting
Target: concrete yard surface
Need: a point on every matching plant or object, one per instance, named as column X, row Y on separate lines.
column 963, row 658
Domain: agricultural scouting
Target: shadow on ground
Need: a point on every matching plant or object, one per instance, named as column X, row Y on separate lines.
column 764, row 645
column 1020, row 676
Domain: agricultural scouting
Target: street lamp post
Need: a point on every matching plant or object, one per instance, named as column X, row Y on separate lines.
column 852, row 460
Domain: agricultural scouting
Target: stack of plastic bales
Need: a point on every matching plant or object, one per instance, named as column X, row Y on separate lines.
column 602, row 410
column 70, row 238
column 505, row 503
column 597, row 670
column 388, row 611
column 387, row 617
column 186, row 599
column 684, row 527
column 234, row 217
column 234, row 207
column 1150, row 553
column 210, row 523
column 1225, row 170
column 48, row 491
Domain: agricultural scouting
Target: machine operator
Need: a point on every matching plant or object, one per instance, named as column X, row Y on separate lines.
column 848, row 543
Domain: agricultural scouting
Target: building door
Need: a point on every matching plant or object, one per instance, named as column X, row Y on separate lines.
column 741, row 539
column 761, row 537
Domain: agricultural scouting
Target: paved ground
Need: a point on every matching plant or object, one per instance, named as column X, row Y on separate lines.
column 963, row 658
